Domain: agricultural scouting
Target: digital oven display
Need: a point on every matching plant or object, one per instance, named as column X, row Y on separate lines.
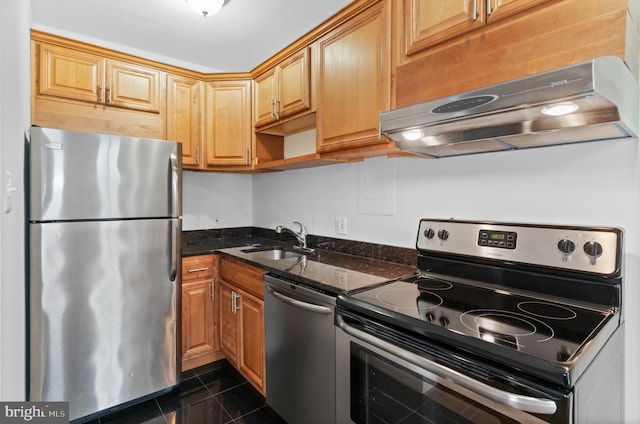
column 499, row 239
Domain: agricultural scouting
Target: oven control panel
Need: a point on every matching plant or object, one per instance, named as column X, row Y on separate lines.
column 499, row 239
column 588, row 249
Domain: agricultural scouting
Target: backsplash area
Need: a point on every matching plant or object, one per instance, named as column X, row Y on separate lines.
column 379, row 252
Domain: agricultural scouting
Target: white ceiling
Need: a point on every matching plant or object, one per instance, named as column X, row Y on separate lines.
column 243, row 35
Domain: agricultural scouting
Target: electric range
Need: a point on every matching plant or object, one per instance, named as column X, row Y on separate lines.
column 536, row 303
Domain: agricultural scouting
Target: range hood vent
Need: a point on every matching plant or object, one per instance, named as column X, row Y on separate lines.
column 589, row 101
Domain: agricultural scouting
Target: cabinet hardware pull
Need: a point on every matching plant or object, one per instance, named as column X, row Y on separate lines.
column 109, row 95
column 100, row 98
column 197, row 155
column 475, row 9
column 273, row 108
column 198, row 269
column 277, row 112
column 213, row 290
column 234, row 301
column 246, row 157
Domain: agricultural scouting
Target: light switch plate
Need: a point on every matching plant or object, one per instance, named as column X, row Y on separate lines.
column 341, row 225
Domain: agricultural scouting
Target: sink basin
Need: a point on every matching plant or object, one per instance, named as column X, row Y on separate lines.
column 274, row 254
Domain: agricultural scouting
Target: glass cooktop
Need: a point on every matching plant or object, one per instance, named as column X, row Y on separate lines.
column 499, row 318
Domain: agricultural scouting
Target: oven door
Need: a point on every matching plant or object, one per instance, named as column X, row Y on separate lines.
column 378, row 381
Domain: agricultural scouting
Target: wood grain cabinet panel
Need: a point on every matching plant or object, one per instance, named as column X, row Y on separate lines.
column 132, row 86
column 227, row 123
column 78, row 75
column 242, row 319
column 559, row 32
column 200, row 333
column 71, row 74
column 184, row 113
column 284, row 90
column 354, row 81
column 430, row 22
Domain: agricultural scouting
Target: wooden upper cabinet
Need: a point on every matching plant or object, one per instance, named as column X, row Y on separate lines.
column 429, row 22
column 132, row 86
column 71, row 74
column 283, row 90
column 78, row 75
column 227, row 123
column 184, row 112
column 354, row 81
column 266, row 86
column 498, row 9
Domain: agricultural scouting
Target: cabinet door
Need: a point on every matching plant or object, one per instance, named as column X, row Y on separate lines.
column 430, row 22
column 266, row 86
column 200, row 335
column 504, row 8
column 229, row 322
column 252, row 351
column 228, row 123
column 198, row 330
column 354, row 81
column 184, row 109
column 71, row 74
column 295, row 84
column 133, row 86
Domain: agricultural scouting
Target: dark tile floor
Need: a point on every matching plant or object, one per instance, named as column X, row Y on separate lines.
column 212, row 394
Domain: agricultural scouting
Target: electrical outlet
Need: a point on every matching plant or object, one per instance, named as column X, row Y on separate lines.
column 341, row 225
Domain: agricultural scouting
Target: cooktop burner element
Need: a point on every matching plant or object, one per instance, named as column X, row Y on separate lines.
column 403, row 299
column 538, row 305
column 498, row 316
column 547, row 310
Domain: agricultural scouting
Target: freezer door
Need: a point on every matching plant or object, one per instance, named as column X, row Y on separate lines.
column 83, row 176
column 103, row 311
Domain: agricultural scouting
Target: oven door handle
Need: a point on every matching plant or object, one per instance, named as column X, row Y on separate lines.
column 520, row 402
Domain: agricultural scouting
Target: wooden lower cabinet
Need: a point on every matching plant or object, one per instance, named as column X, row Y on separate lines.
column 242, row 319
column 200, row 334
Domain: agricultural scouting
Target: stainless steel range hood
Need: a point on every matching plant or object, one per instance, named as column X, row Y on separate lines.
column 533, row 111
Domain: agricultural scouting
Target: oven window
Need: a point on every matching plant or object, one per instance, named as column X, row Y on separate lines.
column 382, row 392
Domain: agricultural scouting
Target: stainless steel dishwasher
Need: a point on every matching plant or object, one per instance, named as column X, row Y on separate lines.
column 300, row 347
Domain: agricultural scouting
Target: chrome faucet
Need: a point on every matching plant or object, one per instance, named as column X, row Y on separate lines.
column 301, row 236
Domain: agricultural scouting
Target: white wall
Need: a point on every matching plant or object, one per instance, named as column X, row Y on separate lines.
column 587, row 184
column 216, row 200
column 15, row 19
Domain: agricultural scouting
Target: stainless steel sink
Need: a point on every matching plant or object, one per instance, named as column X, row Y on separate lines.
column 274, row 254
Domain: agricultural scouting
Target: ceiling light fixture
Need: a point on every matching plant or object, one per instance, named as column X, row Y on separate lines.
column 206, row 7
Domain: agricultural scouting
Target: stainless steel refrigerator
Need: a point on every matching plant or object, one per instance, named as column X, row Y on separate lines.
column 104, row 268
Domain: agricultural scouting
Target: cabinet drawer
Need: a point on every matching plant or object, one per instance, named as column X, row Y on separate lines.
column 197, row 267
column 243, row 276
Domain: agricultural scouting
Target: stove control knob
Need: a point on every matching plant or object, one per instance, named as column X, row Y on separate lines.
column 444, row 321
column 592, row 249
column 443, row 234
column 566, row 246
column 429, row 233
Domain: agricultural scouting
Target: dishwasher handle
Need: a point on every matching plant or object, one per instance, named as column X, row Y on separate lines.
column 299, row 303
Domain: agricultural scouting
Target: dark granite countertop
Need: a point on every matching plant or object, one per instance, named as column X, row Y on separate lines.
column 328, row 270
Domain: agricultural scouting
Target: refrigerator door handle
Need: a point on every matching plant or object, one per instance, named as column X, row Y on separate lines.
column 173, row 272
column 175, row 185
